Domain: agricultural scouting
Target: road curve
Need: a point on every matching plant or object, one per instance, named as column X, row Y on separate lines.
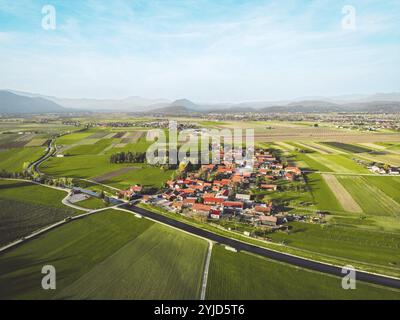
column 279, row 256
column 35, row 165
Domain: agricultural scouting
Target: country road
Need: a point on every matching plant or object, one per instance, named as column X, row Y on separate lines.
column 35, row 165
column 268, row 253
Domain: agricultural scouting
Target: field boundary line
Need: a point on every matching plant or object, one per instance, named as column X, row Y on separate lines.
column 39, row 232
column 206, row 268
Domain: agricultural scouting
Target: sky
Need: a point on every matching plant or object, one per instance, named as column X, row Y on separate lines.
column 203, row 50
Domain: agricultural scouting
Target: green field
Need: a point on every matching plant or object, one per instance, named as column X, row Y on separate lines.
column 74, row 137
column 389, row 185
column 348, row 147
column 245, row 276
column 27, row 207
column 92, row 203
column 92, row 166
column 84, row 166
column 12, row 160
column 146, row 176
column 372, row 194
column 89, row 149
column 109, row 255
column 311, row 163
column 368, row 246
column 139, row 146
column 322, row 195
column 337, row 163
column 89, row 161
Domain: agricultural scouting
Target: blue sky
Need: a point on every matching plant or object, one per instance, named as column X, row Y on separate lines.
column 205, row 50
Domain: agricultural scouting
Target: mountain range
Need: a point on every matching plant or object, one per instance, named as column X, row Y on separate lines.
column 12, row 103
column 17, row 102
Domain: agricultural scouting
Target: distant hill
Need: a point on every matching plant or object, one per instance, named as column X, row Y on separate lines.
column 181, row 106
column 23, row 102
column 375, row 106
column 324, row 106
column 185, row 106
column 132, row 104
column 189, row 105
column 12, row 103
column 307, row 106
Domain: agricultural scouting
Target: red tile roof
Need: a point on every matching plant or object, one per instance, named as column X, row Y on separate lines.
column 213, row 200
column 189, row 201
column 262, row 209
column 269, row 186
column 189, row 190
column 201, row 207
column 268, row 218
column 235, row 204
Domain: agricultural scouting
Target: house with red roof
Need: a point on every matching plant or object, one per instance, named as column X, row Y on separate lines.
column 203, row 208
column 294, row 170
column 188, row 202
column 269, row 187
column 215, row 214
column 213, row 201
column 233, row 204
column 262, row 209
column 268, row 220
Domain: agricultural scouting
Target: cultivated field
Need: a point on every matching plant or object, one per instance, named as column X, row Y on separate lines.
column 245, row 276
column 371, row 199
column 114, row 255
column 12, row 160
column 341, row 194
column 27, row 207
column 109, row 255
column 289, row 131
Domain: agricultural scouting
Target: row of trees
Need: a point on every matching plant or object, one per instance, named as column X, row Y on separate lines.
column 15, row 175
column 128, row 157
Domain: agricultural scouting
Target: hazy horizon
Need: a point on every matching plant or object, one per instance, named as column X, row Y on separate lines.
column 230, row 51
column 344, row 97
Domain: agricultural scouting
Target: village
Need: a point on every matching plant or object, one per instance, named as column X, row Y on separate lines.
column 217, row 192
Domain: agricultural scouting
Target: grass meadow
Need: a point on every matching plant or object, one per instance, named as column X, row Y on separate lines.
column 110, row 255
column 27, row 207
column 12, row 160
column 245, row 276
column 370, row 247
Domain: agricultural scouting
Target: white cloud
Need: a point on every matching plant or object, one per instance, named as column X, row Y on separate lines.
column 262, row 53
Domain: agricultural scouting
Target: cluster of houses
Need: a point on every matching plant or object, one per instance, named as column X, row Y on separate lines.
column 381, row 170
column 219, row 191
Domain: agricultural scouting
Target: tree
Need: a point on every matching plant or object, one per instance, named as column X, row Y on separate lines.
column 26, row 165
column 182, row 166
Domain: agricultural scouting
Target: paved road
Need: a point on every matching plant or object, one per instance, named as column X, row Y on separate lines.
column 297, row 261
column 35, row 165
